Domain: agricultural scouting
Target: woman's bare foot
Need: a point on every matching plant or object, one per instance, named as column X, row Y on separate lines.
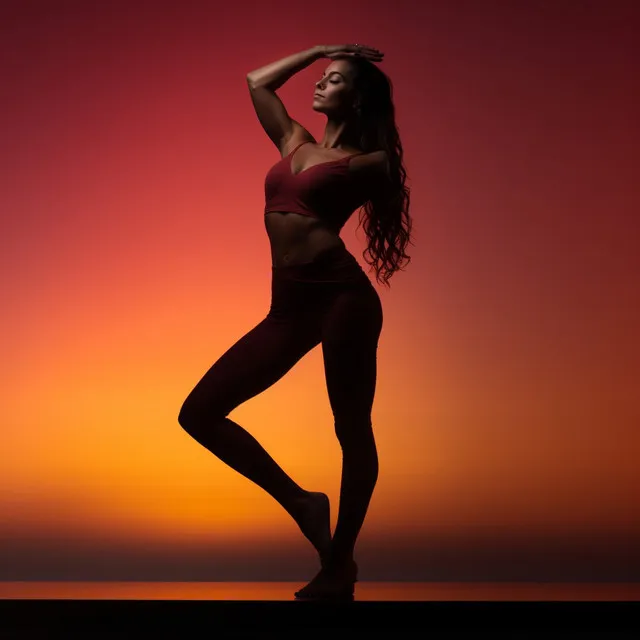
column 312, row 513
column 331, row 583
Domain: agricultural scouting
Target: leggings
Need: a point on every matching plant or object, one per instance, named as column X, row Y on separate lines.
column 328, row 301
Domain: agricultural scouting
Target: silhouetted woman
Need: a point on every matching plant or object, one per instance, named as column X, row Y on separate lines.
column 319, row 292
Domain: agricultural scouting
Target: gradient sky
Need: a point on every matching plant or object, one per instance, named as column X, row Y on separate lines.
column 134, row 254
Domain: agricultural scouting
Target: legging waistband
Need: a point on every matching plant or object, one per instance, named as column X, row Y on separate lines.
column 334, row 264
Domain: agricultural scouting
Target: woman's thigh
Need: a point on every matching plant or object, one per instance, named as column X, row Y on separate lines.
column 254, row 363
column 350, row 333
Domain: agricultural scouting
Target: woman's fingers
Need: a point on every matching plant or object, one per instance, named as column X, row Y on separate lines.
column 366, row 51
column 361, row 50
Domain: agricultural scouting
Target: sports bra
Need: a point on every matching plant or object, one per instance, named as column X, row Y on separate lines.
column 327, row 191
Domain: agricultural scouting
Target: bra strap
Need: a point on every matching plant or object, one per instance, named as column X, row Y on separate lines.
column 305, row 142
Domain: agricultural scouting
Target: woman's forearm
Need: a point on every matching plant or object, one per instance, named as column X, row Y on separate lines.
column 275, row 74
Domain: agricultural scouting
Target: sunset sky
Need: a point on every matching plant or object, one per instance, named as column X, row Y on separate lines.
column 134, row 254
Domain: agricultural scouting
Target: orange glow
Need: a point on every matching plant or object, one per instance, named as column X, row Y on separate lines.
column 389, row 591
column 134, row 254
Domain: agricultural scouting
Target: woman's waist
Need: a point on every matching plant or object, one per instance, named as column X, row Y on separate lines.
column 327, row 266
column 295, row 241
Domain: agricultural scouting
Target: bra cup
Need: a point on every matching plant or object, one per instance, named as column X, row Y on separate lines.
column 328, row 191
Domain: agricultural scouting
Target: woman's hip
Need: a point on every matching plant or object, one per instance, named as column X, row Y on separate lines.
column 333, row 265
column 311, row 287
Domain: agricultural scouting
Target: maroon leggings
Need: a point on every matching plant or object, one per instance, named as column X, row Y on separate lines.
column 329, row 301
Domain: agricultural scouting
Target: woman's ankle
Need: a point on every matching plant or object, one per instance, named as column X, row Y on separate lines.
column 338, row 561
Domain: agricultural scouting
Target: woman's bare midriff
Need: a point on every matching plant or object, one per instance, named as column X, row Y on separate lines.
column 297, row 239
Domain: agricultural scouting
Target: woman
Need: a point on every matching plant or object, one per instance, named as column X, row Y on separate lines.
column 319, row 292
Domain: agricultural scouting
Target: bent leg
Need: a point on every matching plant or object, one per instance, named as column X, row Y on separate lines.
column 251, row 365
column 349, row 342
column 254, row 363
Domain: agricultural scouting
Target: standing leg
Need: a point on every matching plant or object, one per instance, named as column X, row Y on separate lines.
column 350, row 336
column 251, row 365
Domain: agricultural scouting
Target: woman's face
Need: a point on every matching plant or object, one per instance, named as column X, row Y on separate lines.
column 333, row 92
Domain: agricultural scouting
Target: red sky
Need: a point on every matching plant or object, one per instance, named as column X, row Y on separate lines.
column 134, row 254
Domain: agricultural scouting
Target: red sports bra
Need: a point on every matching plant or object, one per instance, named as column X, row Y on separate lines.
column 327, row 191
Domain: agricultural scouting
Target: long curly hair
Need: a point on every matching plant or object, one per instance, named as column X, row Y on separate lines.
column 385, row 216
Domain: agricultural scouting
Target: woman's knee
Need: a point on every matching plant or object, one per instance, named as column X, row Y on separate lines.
column 354, row 430
column 189, row 415
column 196, row 414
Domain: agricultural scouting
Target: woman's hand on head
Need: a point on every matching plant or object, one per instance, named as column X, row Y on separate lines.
column 333, row 51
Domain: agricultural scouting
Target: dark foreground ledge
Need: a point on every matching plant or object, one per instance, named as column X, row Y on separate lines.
column 22, row 618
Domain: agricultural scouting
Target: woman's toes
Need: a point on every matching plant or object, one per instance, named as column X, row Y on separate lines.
column 331, row 583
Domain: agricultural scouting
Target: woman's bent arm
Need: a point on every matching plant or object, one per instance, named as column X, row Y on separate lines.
column 275, row 74
column 271, row 112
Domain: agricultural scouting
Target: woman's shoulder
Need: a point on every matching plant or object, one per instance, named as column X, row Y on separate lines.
column 373, row 162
